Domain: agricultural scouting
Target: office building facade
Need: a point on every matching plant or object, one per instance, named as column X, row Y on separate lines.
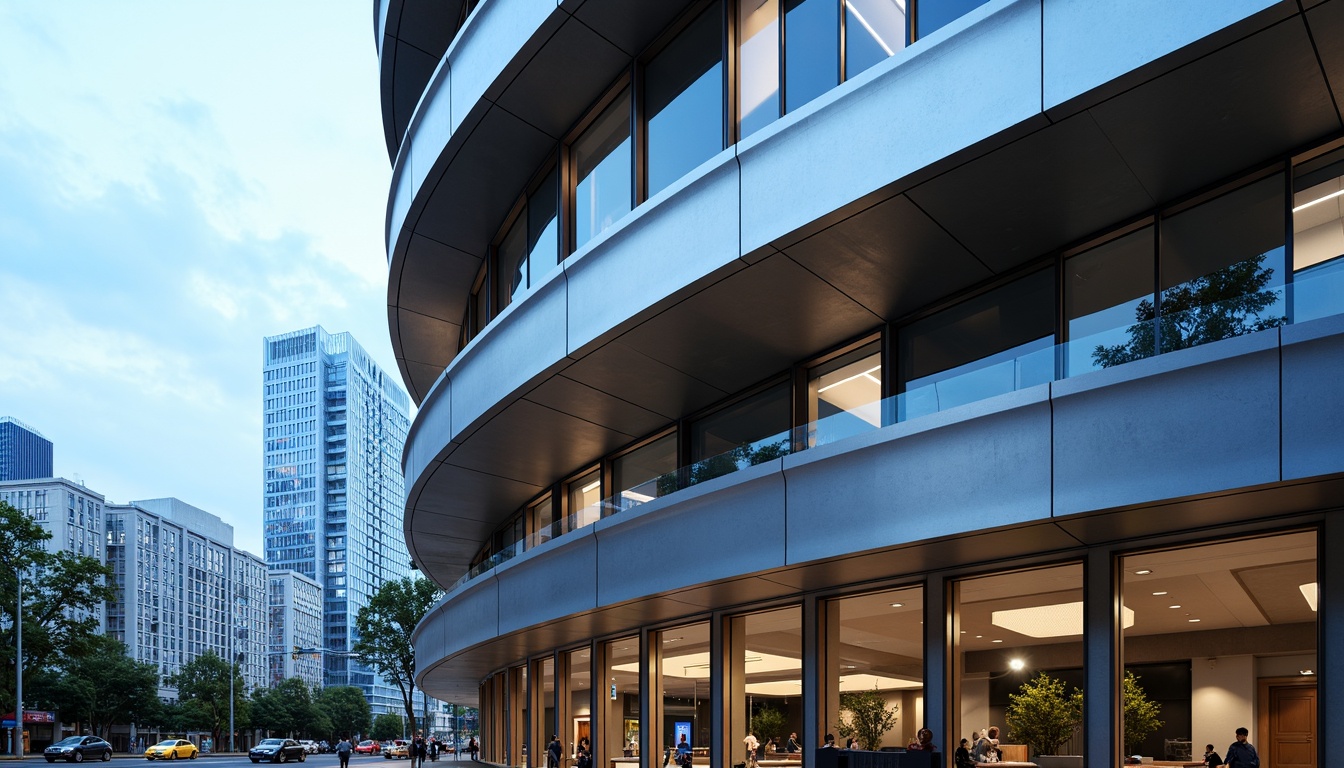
column 771, row 352
column 335, row 425
column 70, row 512
column 184, row 590
column 24, row 453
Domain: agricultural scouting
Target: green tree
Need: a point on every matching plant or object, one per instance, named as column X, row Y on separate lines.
column 58, row 587
column 768, row 723
column 1140, row 713
column 203, row 689
column 103, row 689
column 1228, row 302
column 288, row 708
column 869, row 718
column 387, row 726
column 346, row 710
column 1043, row 715
column 384, row 627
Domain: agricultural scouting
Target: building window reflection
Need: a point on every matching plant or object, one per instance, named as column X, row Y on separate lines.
column 683, row 101
column 750, row 431
column 1318, row 237
column 874, row 31
column 1105, row 289
column 844, row 395
column 811, row 50
column 646, row 472
column 758, row 65
column 602, row 157
column 875, row 642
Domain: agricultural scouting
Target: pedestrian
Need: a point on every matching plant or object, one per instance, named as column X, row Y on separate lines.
column 473, row 748
column 752, row 744
column 793, row 745
column 433, row 749
column 343, row 751
column 418, row 750
column 1242, row 753
column 553, row 751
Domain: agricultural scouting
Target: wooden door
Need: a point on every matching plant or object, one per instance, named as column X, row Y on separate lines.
column 1292, row 727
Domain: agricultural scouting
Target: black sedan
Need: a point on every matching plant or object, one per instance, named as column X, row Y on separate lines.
column 77, row 749
column 277, row 751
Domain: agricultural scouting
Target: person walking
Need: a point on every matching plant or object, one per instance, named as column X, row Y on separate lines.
column 553, row 751
column 343, row 750
column 473, row 748
column 1242, row 753
column 418, row 751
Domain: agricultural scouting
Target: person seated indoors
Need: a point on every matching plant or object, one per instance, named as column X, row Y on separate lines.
column 962, row 757
column 1211, row 758
column 923, row 742
column 830, row 741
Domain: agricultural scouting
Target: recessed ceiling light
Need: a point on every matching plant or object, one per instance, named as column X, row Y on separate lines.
column 1143, row 572
column 1307, row 671
column 849, row 666
column 1157, row 594
column 898, row 605
column 977, row 637
column 963, row 631
column 996, row 641
column 1173, row 606
column 1193, row 621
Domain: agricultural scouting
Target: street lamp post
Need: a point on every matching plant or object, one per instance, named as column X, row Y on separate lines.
column 18, row 670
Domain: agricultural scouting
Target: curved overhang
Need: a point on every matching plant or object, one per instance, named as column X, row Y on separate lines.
column 819, row 228
column 1039, row 479
column 412, row 36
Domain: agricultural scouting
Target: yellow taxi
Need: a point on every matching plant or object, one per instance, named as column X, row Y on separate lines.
column 172, row 749
column 399, row 750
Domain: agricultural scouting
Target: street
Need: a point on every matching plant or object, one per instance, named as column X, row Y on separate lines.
column 239, row 760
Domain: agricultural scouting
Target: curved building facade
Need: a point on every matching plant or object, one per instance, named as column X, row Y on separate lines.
column 774, row 353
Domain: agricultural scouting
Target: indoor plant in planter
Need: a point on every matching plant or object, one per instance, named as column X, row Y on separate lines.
column 1043, row 716
column 1140, row 713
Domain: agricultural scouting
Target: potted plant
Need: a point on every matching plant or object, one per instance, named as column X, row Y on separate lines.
column 1140, row 713
column 869, row 718
column 1043, row 716
column 767, row 723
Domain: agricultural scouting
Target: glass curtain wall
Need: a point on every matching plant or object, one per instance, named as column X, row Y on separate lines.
column 645, row 473
column 585, row 498
column 1248, row 608
column 811, row 50
column 997, row 342
column 875, row 643
column 844, row 395
column 685, row 675
column 622, row 677
column 765, row 674
column 683, row 101
column 758, row 65
column 933, row 15
column 1108, row 293
column 874, row 30
column 1318, row 237
column 541, row 709
column 603, row 163
column 578, row 724
column 745, row 433
column 1012, row 632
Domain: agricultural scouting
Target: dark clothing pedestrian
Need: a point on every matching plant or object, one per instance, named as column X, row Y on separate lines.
column 553, row 751
column 418, row 751
column 1242, row 754
column 343, row 751
column 473, row 747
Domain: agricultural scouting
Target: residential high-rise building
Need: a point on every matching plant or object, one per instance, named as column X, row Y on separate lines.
column 334, row 428
column 770, row 351
column 184, row 590
column 294, row 646
column 71, row 513
column 24, row 453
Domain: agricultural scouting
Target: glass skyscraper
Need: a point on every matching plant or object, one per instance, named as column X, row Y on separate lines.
column 24, row 453
column 334, row 427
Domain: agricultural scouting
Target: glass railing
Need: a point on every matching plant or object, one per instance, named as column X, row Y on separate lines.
column 1316, row 292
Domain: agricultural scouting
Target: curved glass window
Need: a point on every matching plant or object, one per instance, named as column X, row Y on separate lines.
column 647, row 472
column 751, row 431
column 874, row 30
column 543, row 228
column 683, row 99
column 1106, row 290
column 811, row 50
column 1318, row 237
column 758, row 65
column 844, row 396
column 602, row 166
column 933, row 15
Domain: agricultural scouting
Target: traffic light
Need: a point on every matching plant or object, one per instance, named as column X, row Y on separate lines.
column 295, row 654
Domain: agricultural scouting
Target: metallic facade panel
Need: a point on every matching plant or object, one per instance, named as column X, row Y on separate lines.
column 686, row 233
column 984, row 465
column 565, row 395
column 1188, row 422
column 932, row 100
column 1313, row 408
column 561, row 582
column 1326, row 22
column 487, row 47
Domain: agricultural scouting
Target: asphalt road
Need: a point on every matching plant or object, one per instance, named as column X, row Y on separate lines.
column 229, row 760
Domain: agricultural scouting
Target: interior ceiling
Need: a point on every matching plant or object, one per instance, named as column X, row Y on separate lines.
column 1173, row 128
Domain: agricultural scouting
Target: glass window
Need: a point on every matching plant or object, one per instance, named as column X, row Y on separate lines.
column 1182, row 608
column 743, row 434
column 1222, row 268
column 758, row 64
column 647, row 472
column 585, row 497
column 811, row 50
column 543, row 228
column 998, row 342
column 1108, row 300
column 767, row 677
column 874, row 30
column 685, row 675
column 1014, row 633
column 1318, row 237
column 622, row 679
column 512, row 262
column 545, row 524
column 683, row 99
column 541, row 714
column 579, row 721
column 844, row 396
column 877, row 650
column 602, row 165
column 933, row 15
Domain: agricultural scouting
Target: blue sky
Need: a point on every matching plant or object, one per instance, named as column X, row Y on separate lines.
column 178, row 180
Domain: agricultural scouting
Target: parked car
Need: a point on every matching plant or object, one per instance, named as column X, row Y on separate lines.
column 399, row 749
column 388, row 746
column 77, row 749
column 309, row 746
column 172, row 749
column 277, row 751
column 368, row 747
column 323, row 747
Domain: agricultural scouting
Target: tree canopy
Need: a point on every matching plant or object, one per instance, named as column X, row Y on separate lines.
column 1043, row 715
column 869, row 717
column 61, row 590
column 346, row 710
column 103, row 688
column 384, row 627
column 288, row 708
column 203, row 692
